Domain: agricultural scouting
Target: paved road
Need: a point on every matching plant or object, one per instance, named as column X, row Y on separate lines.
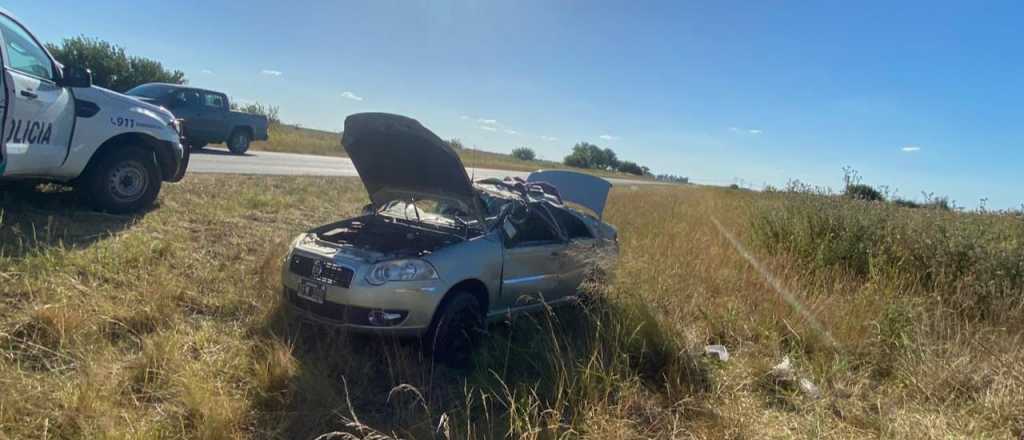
column 213, row 160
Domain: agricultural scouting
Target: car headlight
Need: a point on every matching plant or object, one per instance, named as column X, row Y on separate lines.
column 401, row 270
column 175, row 125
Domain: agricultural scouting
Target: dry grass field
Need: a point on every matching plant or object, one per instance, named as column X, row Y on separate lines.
column 291, row 139
column 170, row 325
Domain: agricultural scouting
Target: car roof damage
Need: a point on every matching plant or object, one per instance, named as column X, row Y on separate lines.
column 398, row 158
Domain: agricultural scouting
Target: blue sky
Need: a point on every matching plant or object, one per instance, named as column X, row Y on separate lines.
column 917, row 96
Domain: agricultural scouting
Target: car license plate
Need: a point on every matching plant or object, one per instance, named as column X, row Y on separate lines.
column 311, row 291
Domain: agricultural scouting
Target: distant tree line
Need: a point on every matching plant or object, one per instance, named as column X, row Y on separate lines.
column 592, row 157
column 672, row 178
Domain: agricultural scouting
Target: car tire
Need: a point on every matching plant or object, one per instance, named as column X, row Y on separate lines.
column 239, row 141
column 123, row 180
column 455, row 333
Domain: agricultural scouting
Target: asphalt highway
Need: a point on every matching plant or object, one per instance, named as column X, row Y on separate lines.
column 214, row 160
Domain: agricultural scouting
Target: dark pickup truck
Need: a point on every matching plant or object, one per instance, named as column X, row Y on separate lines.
column 206, row 116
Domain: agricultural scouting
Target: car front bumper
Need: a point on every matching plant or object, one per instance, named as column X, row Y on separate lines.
column 360, row 306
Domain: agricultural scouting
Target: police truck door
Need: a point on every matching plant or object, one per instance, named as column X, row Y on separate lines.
column 40, row 114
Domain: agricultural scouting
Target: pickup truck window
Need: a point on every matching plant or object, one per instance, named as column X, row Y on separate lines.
column 214, row 101
column 185, row 98
column 23, row 53
column 153, row 91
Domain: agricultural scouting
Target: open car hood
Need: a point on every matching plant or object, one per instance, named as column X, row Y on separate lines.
column 588, row 191
column 396, row 157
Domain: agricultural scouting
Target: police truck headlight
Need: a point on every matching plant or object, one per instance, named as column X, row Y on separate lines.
column 401, row 270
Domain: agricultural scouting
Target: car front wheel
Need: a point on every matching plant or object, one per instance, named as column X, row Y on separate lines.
column 123, row 181
column 456, row 331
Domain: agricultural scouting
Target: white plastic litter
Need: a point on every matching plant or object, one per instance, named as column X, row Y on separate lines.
column 718, row 351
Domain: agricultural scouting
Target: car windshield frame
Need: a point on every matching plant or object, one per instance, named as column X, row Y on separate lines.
column 434, row 220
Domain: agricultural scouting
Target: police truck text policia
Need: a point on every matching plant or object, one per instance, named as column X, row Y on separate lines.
column 33, row 132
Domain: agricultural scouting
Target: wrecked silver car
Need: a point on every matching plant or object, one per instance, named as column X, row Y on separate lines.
column 437, row 256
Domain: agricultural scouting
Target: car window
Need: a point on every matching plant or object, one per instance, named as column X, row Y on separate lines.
column 149, row 91
column 23, row 53
column 573, row 226
column 535, row 229
column 213, row 100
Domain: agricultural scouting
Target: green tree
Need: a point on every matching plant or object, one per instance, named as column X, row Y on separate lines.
column 587, row 155
column 524, row 153
column 632, row 168
column 111, row 66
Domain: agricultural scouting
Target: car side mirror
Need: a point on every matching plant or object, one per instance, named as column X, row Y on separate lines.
column 74, row 76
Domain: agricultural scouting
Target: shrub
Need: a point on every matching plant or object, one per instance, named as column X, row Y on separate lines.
column 860, row 191
column 906, row 203
column 111, row 66
column 524, row 153
column 272, row 112
column 455, row 144
column 855, row 189
column 631, row 168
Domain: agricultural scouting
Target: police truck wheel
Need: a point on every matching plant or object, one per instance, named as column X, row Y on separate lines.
column 456, row 331
column 238, row 143
column 123, row 181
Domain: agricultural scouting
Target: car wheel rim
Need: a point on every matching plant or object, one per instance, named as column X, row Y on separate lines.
column 128, row 181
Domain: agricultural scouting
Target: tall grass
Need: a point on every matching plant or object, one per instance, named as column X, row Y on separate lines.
column 171, row 324
column 974, row 260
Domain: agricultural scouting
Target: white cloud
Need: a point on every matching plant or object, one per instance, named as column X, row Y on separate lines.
column 548, row 138
column 910, row 149
column 507, row 131
column 488, row 128
column 609, row 137
column 206, row 72
column 487, row 121
column 746, row 130
column 350, row 95
column 270, row 72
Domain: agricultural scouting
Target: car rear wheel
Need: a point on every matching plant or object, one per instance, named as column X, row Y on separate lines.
column 123, row 180
column 456, row 331
column 238, row 143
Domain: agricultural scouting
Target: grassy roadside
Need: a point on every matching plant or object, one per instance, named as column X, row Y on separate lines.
column 291, row 139
column 170, row 325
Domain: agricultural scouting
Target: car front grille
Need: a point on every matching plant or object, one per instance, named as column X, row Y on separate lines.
column 321, row 270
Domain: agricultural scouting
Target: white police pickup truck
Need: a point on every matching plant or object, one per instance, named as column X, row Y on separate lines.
column 58, row 127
